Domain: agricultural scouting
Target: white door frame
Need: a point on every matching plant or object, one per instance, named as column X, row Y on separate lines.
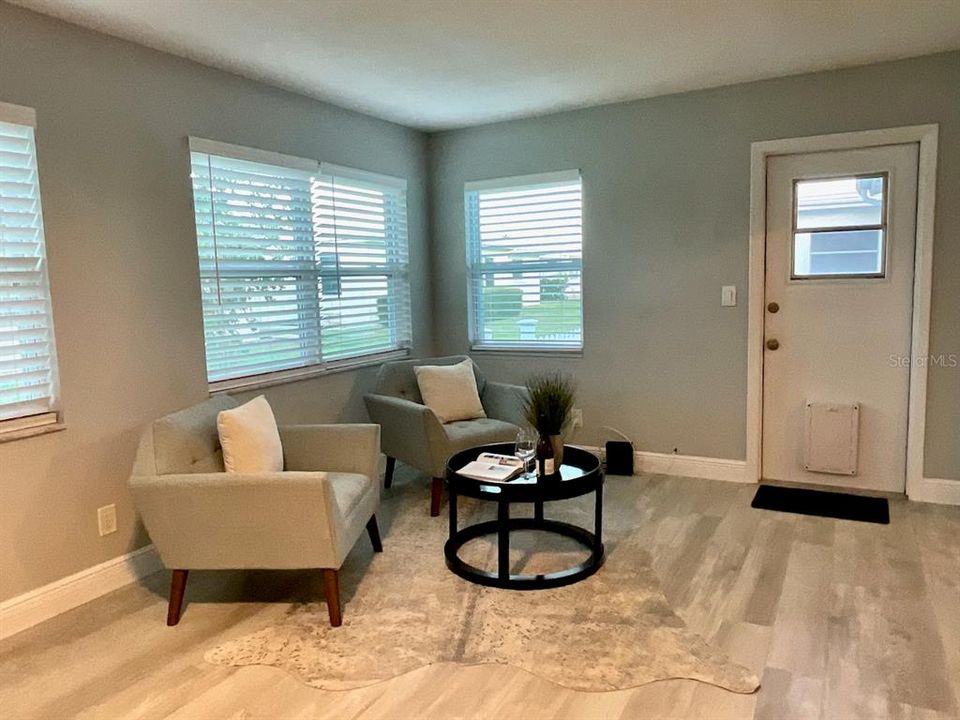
column 926, row 136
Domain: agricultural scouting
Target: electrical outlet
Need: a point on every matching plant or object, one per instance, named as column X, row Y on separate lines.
column 577, row 418
column 107, row 519
column 728, row 296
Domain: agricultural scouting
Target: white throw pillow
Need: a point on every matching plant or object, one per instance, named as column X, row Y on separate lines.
column 250, row 439
column 450, row 391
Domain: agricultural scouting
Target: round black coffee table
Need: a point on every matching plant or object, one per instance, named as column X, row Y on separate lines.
column 580, row 474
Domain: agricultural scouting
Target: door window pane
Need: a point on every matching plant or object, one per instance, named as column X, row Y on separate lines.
column 839, row 227
column 845, row 252
column 840, row 202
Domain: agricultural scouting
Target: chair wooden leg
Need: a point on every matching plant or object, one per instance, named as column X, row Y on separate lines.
column 388, row 473
column 373, row 530
column 331, row 591
column 436, row 493
column 178, row 583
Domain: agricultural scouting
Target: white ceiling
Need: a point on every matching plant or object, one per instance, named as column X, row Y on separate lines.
column 437, row 64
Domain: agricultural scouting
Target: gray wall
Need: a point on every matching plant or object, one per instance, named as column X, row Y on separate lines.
column 666, row 214
column 666, row 217
column 113, row 119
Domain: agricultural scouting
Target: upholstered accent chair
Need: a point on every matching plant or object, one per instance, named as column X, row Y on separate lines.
column 412, row 433
column 308, row 516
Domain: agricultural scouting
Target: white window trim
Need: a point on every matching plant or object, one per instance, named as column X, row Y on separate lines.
column 269, row 157
column 18, row 114
column 883, row 251
column 542, row 349
column 558, row 176
column 18, row 428
column 239, row 152
column 30, row 426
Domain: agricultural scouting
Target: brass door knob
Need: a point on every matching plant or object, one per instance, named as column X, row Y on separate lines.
column 773, row 307
column 773, row 344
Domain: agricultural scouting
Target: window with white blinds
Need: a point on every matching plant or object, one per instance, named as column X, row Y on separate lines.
column 524, row 252
column 303, row 266
column 360, row 227
column 28, row 365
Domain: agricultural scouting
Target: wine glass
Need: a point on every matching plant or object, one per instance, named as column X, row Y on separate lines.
column 526, row 446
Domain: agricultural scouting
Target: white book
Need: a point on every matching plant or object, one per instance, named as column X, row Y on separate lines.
column 492, row 467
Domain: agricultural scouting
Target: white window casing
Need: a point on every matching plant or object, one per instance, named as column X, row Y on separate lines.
column 303, row 266
column 29, row 384
column 525, row 260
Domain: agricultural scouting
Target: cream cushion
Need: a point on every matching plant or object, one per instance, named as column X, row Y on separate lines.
column 450, row 391
column 250, row 439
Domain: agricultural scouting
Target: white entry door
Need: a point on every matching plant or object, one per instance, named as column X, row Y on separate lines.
column 840, row 242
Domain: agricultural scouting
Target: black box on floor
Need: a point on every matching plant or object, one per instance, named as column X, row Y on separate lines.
column 619, row 458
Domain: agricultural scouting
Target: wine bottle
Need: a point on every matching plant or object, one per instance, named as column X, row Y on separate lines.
column 545, row 460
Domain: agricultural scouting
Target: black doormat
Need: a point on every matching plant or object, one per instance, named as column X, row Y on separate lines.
column 822, row 503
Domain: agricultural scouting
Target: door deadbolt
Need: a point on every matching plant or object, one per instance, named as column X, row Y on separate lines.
column 773, row 344
column 773, row 307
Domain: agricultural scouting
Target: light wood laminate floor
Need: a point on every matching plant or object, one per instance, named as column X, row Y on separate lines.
column 840, row 620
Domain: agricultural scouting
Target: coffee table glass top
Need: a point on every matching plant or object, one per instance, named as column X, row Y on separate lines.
column 579, row 473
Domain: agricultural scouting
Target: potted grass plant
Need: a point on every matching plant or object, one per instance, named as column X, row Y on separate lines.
column 548, row 407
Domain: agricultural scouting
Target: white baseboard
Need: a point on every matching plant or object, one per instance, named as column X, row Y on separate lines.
column 691, row 466
column 931, row 490
column 31, row 608
column 935, row 490
column 686, row 465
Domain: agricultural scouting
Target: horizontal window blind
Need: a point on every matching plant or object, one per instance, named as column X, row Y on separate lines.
column 297, row 268
column 361, row 231
column 258, row 275
column 525, row 249
column 28, row 367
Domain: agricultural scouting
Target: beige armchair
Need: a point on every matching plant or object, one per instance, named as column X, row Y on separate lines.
column 412, row 433
column 309, row 516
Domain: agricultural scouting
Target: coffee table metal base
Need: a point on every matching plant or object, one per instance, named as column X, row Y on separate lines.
column 502, row 578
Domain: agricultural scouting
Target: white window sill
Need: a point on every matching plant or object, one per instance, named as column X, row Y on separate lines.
column 529, row 351
column 258, row 382
column 29, row 432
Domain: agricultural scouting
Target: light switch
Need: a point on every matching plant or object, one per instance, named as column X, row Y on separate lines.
column 728, row 296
